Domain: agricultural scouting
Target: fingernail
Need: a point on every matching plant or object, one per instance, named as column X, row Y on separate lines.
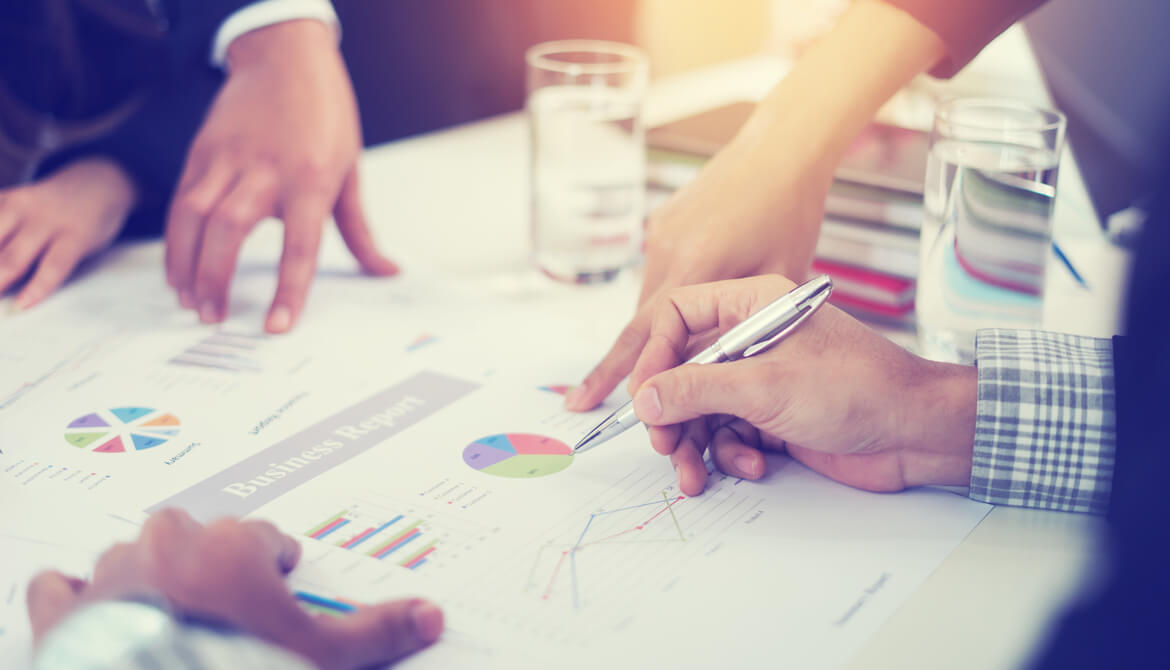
column 746, row 465
column 647, row 405
column 280, row 319
column 186, row 299
column 208, row 312
column 575, row 395
column 427, row 620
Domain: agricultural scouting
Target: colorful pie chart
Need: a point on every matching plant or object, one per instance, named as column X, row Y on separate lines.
column 122, row 429
column 518, row 455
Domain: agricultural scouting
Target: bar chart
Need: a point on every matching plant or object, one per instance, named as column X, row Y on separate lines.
column 227, row 351
column 410, row 536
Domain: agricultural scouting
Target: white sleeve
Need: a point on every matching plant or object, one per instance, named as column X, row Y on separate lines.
column 266, row 13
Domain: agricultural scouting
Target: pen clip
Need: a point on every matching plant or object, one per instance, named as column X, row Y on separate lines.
column 805, row 312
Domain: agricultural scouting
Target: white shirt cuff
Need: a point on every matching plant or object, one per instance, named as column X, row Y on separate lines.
column 266, row 13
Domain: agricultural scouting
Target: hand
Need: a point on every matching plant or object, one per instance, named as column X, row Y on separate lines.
column 720, row 226
column 233, row 572
column 55, row 223
column 282, row 139
column 837, row 396
column 756, row 207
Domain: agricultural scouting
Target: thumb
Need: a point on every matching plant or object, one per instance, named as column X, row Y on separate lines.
column 51, row 596
column 691, row 391
column 379, row 634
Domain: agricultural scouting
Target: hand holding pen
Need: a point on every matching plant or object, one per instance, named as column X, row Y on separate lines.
column 834, row 394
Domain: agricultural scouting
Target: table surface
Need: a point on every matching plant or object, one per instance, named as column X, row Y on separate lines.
column 992, row 599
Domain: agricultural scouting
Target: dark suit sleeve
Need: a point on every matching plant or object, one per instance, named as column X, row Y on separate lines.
column 965, row 26
column 152, row 144
column 1122, row 621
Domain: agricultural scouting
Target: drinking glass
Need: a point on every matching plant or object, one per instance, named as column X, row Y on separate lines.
column 588, row 157
column 987, row 233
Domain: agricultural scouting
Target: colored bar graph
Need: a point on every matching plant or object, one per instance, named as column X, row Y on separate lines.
column 334, row 605
column 328, row 526
column 328, row 530
column 356, row 539
column 370, row 532
column 414, row 535
column 419, row 557
column 398, row 541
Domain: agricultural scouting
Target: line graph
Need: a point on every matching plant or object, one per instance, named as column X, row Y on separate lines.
column 570, row 554
column 637, row 537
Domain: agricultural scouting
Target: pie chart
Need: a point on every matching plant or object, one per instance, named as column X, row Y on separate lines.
column 122, row 429
column 518, row 455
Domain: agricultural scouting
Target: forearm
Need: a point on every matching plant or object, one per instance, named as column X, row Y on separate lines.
column 798, row 134
column 840, row 82
column 134, row 636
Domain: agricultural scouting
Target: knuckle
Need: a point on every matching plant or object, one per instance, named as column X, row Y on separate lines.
column 40, row 583
column 680, row 388
column 312, row 171
column 632, row 336
column 168, row 517
column 51, row 269
column 13, row 260
column 16, row 198
column 114, row 555
column 206, row 286
column 300, row 251
column 236, row 221
column 195, row 204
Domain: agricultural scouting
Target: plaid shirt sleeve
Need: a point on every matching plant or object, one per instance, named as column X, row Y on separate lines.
column 1045, row 428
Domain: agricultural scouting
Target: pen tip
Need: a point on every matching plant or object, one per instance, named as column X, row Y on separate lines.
column 585, row 440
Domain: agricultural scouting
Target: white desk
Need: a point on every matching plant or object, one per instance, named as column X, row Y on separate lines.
column 991, row 601
column 988, row 603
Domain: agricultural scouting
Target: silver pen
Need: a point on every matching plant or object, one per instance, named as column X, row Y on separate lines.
column 756, row 333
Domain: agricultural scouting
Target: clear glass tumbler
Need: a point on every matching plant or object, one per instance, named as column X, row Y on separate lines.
column 588, row 157
column 987, row 233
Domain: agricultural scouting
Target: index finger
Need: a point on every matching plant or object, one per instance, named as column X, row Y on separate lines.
column 690, row 311
column 303, row 219
column 615, row 366
column 284, row 550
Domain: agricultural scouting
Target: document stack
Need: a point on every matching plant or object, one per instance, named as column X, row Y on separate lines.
column 869, row 237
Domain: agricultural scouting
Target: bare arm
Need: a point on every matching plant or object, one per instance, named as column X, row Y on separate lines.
column 757, row 206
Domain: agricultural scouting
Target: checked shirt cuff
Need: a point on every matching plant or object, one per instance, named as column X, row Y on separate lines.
column 1045, row 429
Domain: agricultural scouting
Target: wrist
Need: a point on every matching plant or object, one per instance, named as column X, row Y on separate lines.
column 279, row 42
column 118, row 192
column 104, row 634
column 937, row 434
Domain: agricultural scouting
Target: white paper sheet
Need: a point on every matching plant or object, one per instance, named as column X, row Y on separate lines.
column 601, row 560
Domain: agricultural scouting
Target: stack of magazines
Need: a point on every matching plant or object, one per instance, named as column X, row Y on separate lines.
column 873, row 212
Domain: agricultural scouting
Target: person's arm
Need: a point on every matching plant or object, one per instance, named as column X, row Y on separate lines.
column 49, row 226
column 1045, row 428
column 193, row 596
column 757, row 205
column 132, row 634
column 264, row 13
column 964, row 27
column 282, row 139
column 1031, row 425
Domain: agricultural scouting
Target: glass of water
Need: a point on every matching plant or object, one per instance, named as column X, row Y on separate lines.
column 588, row 157
column 987, row 233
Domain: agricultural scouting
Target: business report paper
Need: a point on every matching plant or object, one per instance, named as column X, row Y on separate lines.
column 421, row 448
